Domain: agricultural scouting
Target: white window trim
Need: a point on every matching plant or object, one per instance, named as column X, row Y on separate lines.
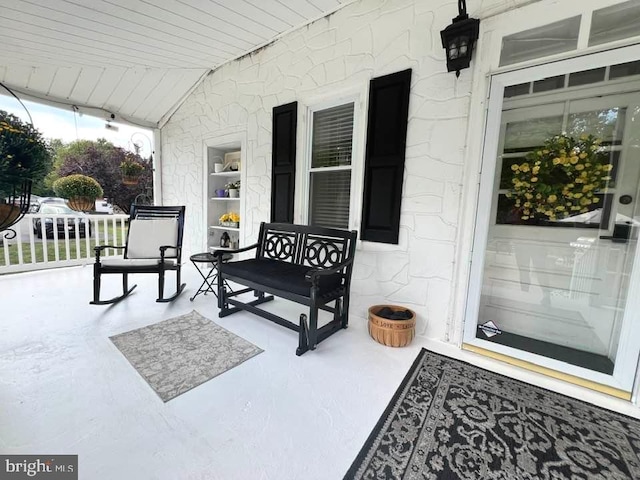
column 303, row 184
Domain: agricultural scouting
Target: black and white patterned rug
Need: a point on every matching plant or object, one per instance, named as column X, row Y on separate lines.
column 452, row 420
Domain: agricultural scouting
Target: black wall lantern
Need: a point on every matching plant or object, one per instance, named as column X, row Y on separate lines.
column 459, row 38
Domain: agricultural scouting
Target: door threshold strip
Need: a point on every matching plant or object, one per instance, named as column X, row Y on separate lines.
column 598, row 387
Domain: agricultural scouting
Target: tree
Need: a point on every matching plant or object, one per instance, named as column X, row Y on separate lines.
column 101, row 160
column 44, row 186
column 24, row 154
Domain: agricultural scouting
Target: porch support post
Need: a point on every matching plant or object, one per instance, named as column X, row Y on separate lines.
column 157, row 166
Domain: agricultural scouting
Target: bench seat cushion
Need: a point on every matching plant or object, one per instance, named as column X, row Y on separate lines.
column 279, row 275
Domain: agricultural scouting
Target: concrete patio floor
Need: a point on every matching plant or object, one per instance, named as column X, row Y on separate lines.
column 65, row 388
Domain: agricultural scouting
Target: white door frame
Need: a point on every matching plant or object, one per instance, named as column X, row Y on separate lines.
column 629, row 348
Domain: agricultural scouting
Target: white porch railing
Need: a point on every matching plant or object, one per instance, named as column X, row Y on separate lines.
column 50, row 241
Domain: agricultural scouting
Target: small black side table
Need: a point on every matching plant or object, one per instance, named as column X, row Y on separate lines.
column 208, row 280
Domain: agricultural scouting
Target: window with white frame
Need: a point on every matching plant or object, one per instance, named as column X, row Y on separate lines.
column 330, row 166
column 608, row 24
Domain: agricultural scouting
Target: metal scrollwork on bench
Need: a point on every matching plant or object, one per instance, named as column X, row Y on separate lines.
column 323, row 252
column 280, row 245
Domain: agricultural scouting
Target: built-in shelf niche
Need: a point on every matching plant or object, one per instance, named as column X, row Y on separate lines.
column 218, row 205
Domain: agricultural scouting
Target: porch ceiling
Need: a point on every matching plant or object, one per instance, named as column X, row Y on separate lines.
column 136, row 59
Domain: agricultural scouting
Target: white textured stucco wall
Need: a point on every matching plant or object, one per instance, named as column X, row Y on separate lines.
column 339, row 53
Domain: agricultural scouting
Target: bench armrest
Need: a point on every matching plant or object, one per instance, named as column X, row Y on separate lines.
column 314, row 273
column 220, row 253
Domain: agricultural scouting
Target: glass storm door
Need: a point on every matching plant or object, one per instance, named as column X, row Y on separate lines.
column 556, row 282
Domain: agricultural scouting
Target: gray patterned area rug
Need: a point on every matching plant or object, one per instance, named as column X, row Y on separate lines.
column 452, row 420
column 181, row 353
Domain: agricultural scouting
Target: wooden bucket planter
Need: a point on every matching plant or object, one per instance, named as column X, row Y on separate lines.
column 392, row 333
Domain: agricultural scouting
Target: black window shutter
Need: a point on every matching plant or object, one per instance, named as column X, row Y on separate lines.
column 283, row 162
column 384, row 158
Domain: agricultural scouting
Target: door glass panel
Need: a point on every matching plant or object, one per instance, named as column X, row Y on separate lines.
column 563, row 229
column 606, row 124
column 527, row 134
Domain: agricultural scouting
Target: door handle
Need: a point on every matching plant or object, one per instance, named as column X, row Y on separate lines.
column 621, row 233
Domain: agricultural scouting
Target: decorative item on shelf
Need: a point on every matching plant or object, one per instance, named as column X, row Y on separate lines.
column 221, row 192
column 225, row 240
column 234, row 189
column 560, row 180
column 231, row 220
column 24, row 159
column 218, row 168
column 392, row 325
column 232, row 161
column 459, row 38
column 131, row 171
column 234, row 244
column 80, row 190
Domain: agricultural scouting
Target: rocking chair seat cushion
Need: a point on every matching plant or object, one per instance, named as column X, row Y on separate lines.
column 137, row 262
column 280, row 275
column 146, row 236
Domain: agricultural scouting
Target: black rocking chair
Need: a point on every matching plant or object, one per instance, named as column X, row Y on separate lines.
column 154, row 245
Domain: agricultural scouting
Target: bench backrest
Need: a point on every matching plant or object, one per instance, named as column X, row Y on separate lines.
column 317, row 247
column 151, row 227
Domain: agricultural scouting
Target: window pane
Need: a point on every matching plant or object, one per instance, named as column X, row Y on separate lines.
column 330, row 196
column 615, row 23
column 546, row 84
column 540, row 42
column 528, row 134
column 588, row 76
column 607, row 124
column 597, row 217
column 332, row 136
column 624, row 70
column 515, row 90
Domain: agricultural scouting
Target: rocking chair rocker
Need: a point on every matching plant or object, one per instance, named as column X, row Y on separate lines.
column 154, row 245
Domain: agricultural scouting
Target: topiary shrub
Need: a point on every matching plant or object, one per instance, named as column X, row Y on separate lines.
column 81, row 191
column 77, row 186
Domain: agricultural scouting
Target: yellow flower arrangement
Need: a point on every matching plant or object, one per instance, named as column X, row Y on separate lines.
column 561, row 179
column 230, row 217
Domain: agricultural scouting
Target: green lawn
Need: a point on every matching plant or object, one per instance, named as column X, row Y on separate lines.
column 62, row 252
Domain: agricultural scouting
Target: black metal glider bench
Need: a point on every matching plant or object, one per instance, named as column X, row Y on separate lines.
column 308, row 265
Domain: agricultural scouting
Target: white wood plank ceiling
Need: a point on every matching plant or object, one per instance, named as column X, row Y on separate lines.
column 134, row 58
